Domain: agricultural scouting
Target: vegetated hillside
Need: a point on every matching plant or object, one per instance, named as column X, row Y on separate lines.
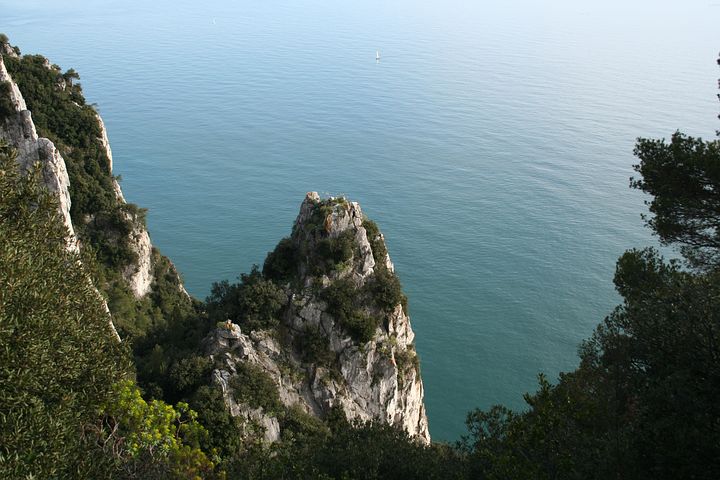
column 306, row 368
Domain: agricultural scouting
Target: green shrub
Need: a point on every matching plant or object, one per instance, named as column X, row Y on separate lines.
column 379, row 250
column 386, row 291
column 153, row 440
column 7, row 108
column 314, row 347
column 252, row 386
column 191, row 372
column 224, row 430
column 406, row 359
column 361, row 326
column 342, row 298
column 298, row 424
column 59, row 358
column 254, row 303
column 331, row 253
column 281, row 264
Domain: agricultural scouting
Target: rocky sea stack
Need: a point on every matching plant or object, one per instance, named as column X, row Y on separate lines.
column 343, row 340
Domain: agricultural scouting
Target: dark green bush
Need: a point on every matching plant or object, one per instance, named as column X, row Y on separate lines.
column 59, row 360
column 224, row 429
column 314, row 347
column 298, row 424
column 354, row 452
column 191, row 372
column 331, row 253
column 281, row 264
column 377, row 244
column 342, row 299
column 7, row 108
column 254, row 303
column 385, row 290
column 252, row 386
column 361, row 326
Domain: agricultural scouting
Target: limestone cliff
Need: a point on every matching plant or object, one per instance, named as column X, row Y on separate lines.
column 20, row 131
column 341, row 339
column 358, row 355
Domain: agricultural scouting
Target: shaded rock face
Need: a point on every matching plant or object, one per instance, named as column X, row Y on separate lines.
column 374, row 380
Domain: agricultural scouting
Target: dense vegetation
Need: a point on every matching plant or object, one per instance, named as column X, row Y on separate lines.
column 74, row 403
column 67, row 410
column 254, row 303
column 60, row 114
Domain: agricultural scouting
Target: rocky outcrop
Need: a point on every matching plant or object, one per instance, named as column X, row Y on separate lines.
column 374, row 380
column 7, row 49
column 138, row 274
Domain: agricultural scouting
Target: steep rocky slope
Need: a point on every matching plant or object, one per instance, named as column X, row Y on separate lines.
column 19, row 130
column 344, row 341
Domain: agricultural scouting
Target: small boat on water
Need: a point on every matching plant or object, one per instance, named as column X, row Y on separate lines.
column 377, row 55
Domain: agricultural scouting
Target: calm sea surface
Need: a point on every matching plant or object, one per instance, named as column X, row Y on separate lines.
column 491, row 143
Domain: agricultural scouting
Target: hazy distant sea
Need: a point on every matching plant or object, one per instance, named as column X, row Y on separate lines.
column 492, row 144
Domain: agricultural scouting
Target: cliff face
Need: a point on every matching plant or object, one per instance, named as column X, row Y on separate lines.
column 19, row 130
column 343, row 341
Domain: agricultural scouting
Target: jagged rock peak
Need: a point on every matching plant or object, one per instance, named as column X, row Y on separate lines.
column 344, row 340
column 331, row 240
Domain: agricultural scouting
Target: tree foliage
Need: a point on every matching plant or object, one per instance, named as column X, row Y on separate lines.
column 352, row 451
column 252, row 386
column 152, row 440
column 59, row 358
column 7, row 107
column 281, row 264
column 343, row 300
column 253, row 303
column 683, row 177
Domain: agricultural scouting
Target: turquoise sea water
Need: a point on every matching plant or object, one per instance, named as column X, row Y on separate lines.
column 492, row 144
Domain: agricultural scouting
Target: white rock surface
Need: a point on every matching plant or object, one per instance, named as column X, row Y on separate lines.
column 15, row 94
